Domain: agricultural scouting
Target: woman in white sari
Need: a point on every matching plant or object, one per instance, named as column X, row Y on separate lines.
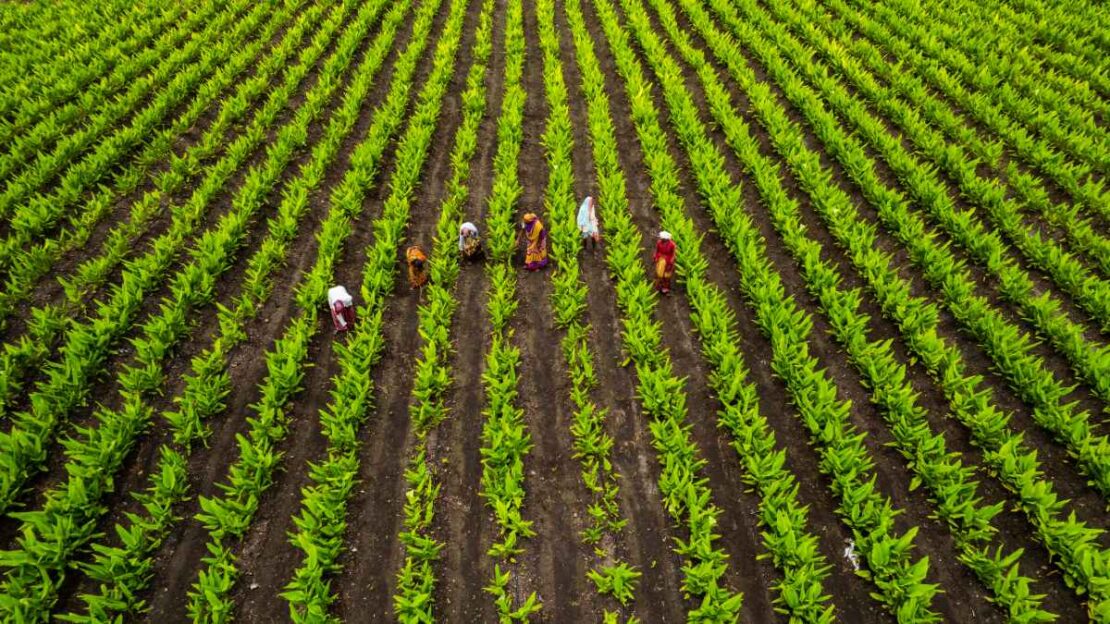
column 587, row 223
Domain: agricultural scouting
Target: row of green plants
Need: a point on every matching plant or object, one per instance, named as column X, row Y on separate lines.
column 1081, row 141
column 1073, row 177
column 413, row 598
column 1087, row 241
column 1071, row 542
column 1063, row 29
column 1089, row 292
column 43, row 113
column 21, row 25
column 43, row 327
column 41, row 213
column 1090, row 361
column 322, row 522
column 89, row 344
column 143, row 376
column 227, row 515
column 67, row 519
column 505, row 438
column 23, row 355
column 63, row 60
column 950, row 483
column 1059, row 36
column 42, row 335
column 891, row 565
column 1065, row 99
column 123, row 570
column 592, row 444
column 1009, row 348
column 686, row 495
column 1074, row 20
column 29, row 264
column 182, row 65
column 1029, row 191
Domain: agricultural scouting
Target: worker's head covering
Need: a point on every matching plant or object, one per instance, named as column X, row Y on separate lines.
column 465, row 230
column 529, row 217
column 665, row 235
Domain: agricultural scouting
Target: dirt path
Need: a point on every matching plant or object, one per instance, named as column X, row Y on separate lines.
column 375, row 514
column 462, row 520
column 738, row 527
column 554, row 561
column 646, row 541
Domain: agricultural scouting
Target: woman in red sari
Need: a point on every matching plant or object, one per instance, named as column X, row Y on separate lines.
column 664, row 262
column 535, row 236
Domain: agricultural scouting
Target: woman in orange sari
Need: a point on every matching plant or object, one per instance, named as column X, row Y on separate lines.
column 418, row 266
column 535, row 255
column 664, row 262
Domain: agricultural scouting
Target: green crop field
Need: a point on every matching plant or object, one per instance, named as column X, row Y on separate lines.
column 879, row 390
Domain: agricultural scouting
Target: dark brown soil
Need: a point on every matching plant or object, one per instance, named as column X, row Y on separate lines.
column 646, row 541
column 738, row 523
column 555, row 562
column 375, row 555
column 555, row 567
column 462, row 520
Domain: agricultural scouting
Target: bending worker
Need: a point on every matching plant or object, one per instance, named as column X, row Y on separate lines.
column 587, row 223
column 664, row 262
column 418, row 266
column 470, row 244
column 535, row 240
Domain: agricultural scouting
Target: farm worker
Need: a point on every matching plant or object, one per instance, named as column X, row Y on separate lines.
column 418, row 266
column 470, row 244
column 535, row 255
column 664, row 262
column 587, row 223
column 342, row 307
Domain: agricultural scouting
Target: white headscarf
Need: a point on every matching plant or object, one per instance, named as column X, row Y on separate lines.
column 665, row 235
column 464, row 229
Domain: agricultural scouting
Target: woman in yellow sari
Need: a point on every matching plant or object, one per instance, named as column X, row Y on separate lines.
column 535, row 236
column 417, row 262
